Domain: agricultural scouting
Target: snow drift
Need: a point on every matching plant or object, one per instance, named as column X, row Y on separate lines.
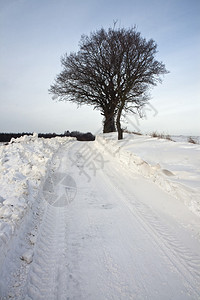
column 174, row 166
column 23, row 166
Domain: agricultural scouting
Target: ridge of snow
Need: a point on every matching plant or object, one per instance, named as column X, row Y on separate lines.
column 23, row 166
column 173, row 166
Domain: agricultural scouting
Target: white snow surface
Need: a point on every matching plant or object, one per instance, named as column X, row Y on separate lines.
column 23, row 166
column 174, row 166
column 185, row 138
column 99, row 220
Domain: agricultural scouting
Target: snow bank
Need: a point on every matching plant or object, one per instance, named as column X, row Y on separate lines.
column 173, row 166
column 23, row 165
column 185, row 138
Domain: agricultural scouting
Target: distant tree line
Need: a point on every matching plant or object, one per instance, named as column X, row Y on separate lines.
column 6, row 137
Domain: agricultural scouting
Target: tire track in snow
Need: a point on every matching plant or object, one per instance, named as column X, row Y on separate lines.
column 190, row 260
column 49, row 275
column 47, row 264
column 182, row 259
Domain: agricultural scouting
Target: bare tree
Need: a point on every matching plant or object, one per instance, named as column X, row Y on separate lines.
column 112, row 71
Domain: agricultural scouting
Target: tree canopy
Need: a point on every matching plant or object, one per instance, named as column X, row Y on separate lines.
column 112, row 71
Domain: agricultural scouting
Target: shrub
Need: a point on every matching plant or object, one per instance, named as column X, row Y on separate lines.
column 161, row 136
column 191, row 140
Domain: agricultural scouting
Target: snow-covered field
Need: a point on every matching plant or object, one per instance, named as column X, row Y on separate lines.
column 99, row 220
column 174, row 166
column 185, row 138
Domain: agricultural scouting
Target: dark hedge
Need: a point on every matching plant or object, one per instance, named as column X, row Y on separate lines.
column 6, row 137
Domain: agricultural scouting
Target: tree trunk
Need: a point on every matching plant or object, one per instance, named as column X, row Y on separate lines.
column 109, row 124
column 119, row 129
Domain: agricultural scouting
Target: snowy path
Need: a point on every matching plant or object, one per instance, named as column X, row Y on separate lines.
column 118, row 236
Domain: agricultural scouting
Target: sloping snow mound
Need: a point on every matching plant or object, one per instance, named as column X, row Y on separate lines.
column 173, row 166
column 23, row 165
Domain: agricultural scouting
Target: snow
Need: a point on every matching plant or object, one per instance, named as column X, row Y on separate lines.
column 28, row 256
column 99, row 220
column 185, row 138
column 23, row 166
column 174, row 166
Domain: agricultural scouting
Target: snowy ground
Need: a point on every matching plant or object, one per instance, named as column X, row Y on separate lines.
column 23, row 167
column 185, row 138
column 99, row 220
column 174, row 166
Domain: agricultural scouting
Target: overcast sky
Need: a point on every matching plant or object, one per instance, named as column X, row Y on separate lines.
column 34, row 34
